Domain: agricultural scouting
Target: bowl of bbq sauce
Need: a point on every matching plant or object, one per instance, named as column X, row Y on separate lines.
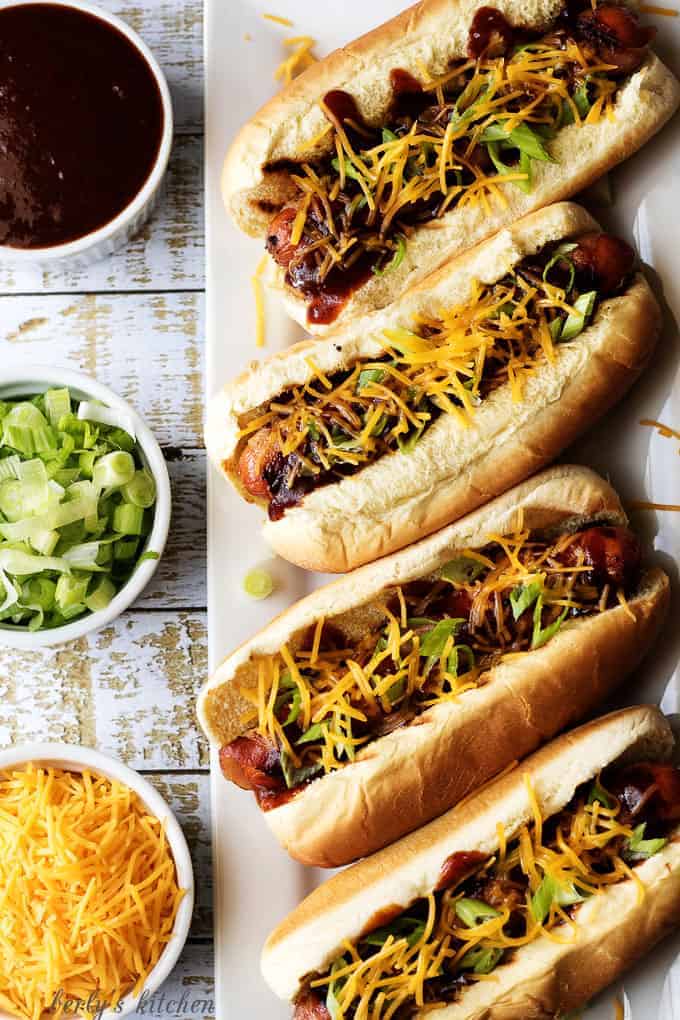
column 85, row 132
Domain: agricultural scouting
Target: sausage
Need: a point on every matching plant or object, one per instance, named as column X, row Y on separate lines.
column 278, row 242
column 310, row 1007
column 501, row 893
column 256, row 456
column 648, row 791
column 617, row 34
column 612, row 553
column 607, row 259
column 252, row 762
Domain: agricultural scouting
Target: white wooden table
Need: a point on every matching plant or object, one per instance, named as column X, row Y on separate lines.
column 136, row 323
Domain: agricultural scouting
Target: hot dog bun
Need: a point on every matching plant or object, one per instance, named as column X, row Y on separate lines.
column 408, row 777
column 453, row 468
column 544, row 978
column 429, row 35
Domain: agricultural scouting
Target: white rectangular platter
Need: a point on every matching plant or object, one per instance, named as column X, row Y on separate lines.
column 256, row 884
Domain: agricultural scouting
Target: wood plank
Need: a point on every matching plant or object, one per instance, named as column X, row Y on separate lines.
column 189, row 798
column 180, row 580
column 147, row 347
column 129, row 690
column 167, row 255
column 188, row 992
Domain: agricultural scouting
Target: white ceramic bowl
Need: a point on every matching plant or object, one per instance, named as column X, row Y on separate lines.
column 17, row 382
column 104, row 241
column 75, row 759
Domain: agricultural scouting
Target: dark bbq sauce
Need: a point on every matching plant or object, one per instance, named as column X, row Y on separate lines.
column 487, row 23
column 342, row 107
column 410, row 100
column 81, row 121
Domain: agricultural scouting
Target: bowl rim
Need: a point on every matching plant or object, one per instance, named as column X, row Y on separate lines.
column 36, row 378
column 78, row 758
column 55, row 252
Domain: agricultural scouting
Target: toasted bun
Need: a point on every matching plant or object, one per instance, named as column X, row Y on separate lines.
column 406, row 778
column 454, row 468
column 429, row 35
column 544, row 977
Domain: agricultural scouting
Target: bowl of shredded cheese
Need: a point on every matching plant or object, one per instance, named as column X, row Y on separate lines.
column 96, row 885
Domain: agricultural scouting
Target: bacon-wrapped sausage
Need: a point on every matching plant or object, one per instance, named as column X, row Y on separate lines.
column 613, row 553
column 278, row 241
column 608, row 260
column 620, row 39
column 310, row 1007
column 252, row 763
column 256, row 456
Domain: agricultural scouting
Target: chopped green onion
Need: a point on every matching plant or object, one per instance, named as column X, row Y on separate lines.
column 258, row 583
column 39, row 591
column 114, row 470
column 522, row 137
column 523, row 167
column 9, row 467
column 541, row 634
column 102, row 594
column 557, row 258
column 481, row 960
column 128, row 519
column 90, row 410
column 57, row 405
column 523, row 596
column 576, row 322
column 396, row 259
column 75, row 502
column 19, row 563
column 599, row 795
column 462, row 570
column 141, row 490
column 71, row 591
column 471, row 912
column 638, row 848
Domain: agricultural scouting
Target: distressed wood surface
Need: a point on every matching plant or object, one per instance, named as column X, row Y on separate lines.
column 128, row 690
column 189, row 797
column 135, row 321
column 179, row 581
column 188, row 992
column 148, row 347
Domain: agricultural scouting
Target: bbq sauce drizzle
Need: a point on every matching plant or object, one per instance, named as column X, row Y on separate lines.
column 484, row 907
column 433, row 640
column 339, row 216
column 315, row 435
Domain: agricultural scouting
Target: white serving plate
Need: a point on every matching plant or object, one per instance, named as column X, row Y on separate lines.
column 256, row 884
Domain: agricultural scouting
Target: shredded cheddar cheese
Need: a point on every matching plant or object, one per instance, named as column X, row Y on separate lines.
column 330, row 692
column 88, row 891
column 519, row 101
column 386, row 970
column 278, row 20
column 642, row 504
column 664, row 430
column 298, row 61
column 447, row 363
column 668, row 12
column 256, row 282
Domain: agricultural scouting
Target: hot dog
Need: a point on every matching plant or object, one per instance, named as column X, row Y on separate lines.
column 417, row 414
column 569, row 886
column 379, row 701
column 432, row 132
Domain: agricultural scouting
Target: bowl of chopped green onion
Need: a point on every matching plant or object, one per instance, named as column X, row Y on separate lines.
column 84, row 506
